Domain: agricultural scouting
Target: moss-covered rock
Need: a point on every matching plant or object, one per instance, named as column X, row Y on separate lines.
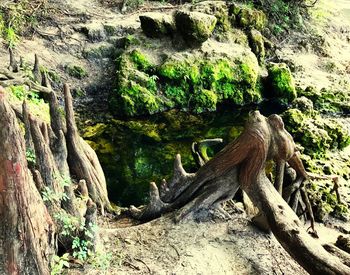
column 99, row 50
column 195, row 27
column 76, row 71
column 280, row 82
column 217, row 8
column 315, row 133
column 246, row 17
column 156, row 24
column 256, row 43
column 195, row 82
column 303, row 104
column 327, row 100
column 130, row 166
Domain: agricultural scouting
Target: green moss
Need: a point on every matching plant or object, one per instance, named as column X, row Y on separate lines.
column 94, row 130
column 315, row 133
column 327, row 100
column 281, row 83
column 247, row 17
column 140, row 60
column 204, row 100
column 325, row 201
column 193, row 84
column 76, row 71
column 136, row 100
column 36, row 105
column 256, row 42
column 195, row 27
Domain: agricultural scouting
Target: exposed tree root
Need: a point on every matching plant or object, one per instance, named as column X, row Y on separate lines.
column 242, row 164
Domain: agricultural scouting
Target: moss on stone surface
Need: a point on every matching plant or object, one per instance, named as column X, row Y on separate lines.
column 190, row 83
column 195, row 26
column 247, row 17
column 217, row 8
column 315, row 133
column 281, row 85
column 130, row 166
column 76, row 71
column 256, row 42
column 326, row 100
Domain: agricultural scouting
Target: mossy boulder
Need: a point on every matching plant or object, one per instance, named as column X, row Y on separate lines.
column 315, row 133
column 156, row 24
column 280, row 83
column 95, row 32
column 195, row 27
column 256, row 43
column 195, row 82
column 303, row 104
column 76, row 71
column 247, row 17
column 217, row 8
column 136, row 89
column 328, row 100
column 99, row 50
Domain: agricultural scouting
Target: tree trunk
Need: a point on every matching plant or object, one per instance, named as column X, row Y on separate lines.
column 26, row 229
column 39, row 210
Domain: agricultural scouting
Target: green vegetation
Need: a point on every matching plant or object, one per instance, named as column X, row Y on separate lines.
column 195, row 27
column 192, row 84
column 280, row 83
column 327, row 101
column 18, row 18
column 245, row 16
column 316, row 134
column 76, row 71
column 36, row 105
column 59, row 263
column 131, row 165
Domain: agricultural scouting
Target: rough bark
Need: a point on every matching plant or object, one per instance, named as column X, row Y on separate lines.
column 83, row 161
column 26, row 229
column 37, row 205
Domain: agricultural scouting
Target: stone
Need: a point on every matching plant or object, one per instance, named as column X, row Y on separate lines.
column 303, row 104
column 256, row 42
column 195, row 27
column 95, row 32
column 217, row 8
column 246, row 17
column 99, row 50
column 281, row 83
column 156, row 24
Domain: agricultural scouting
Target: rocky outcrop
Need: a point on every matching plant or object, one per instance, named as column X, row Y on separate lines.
column 280, row 82
column 246, row 17
column 157, row 24
column 196, row 27
column 256, row 43
column 196, row 82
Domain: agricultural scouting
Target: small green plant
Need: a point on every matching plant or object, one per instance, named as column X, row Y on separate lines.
column 59, row 263
column 49, row 194
column 81, row 249
column 19, row 92
column 70, row 224
column 30, row 156
column 16, row 18
column 101, row 260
